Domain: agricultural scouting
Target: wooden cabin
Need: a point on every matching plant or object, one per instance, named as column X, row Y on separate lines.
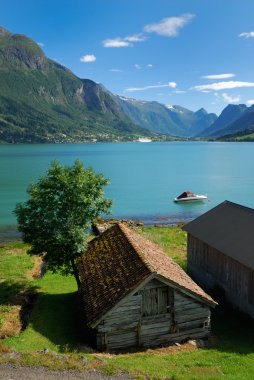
column 220, row 253
column 134, row 295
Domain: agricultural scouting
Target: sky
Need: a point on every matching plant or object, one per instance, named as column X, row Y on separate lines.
column 192, row 53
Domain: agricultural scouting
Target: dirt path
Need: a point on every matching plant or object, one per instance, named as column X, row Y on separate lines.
column 8, row 372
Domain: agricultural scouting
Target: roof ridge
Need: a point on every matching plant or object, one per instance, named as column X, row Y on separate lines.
column 240, row 206
column 125, row 231
column 214, row 210
column 160, row 253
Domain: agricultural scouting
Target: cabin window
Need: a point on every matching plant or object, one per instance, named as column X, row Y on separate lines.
column 156, row 301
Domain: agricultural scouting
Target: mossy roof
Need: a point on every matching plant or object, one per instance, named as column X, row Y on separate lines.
column 117, row 262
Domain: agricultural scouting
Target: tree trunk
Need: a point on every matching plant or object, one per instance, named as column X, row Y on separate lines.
column 76, row 273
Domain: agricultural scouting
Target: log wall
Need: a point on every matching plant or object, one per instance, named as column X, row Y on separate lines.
column 211, row 268
column 129, row 326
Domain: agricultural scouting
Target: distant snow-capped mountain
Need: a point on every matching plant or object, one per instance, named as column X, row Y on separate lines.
column 165, row 119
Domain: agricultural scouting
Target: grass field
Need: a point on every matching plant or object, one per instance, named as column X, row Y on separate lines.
column 15, row 286
column 53, row 325
column 245, row 137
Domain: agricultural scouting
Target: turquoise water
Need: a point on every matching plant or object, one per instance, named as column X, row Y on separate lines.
column 144, row 177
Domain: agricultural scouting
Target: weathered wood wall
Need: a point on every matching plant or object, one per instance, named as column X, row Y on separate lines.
column 211, row 268
column 141, row 321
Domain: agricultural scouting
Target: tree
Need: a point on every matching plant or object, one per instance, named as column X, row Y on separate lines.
column 60, row 208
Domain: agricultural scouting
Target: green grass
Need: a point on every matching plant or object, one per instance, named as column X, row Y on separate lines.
column 245, row 137
column 14, row 264
column 53, row 322
column 54, row 325
column 15, row 285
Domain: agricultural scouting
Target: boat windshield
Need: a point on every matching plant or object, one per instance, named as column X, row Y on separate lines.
column 186, row 194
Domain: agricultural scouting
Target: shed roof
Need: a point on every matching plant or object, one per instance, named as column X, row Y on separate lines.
column 117, row 262
column 229, row 228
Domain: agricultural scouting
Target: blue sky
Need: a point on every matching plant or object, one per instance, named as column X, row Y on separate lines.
column 193, row 53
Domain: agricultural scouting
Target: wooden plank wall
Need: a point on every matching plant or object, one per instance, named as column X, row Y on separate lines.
column 127, row 327
column 187, row 319
column 211, row 268
column 119, row 329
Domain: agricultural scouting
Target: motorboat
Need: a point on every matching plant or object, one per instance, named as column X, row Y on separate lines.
column 188, row 196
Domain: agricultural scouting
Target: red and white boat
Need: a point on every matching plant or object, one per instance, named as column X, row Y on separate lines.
column 188, row 196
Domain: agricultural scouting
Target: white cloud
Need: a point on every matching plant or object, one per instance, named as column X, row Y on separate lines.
column 132, row 89
column 172, row 84
column 116, row 43
column 250, row 102
column 139, row 37
column 116, row 70
column 40, row 44
column 88, row 58
column 247, row 35
column 223, row 85
column 127, row 41
column 137, row 66
column 218, row 76
column 179, row 92
column 229, row 99
column 170, row 26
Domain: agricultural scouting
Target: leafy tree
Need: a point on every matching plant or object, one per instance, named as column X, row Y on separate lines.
column 59, row 209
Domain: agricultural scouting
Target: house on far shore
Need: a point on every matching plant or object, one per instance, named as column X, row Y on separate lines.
column 220, row 252
column 136, row 296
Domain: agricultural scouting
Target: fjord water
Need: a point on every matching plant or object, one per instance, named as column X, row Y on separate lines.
column 144, row 177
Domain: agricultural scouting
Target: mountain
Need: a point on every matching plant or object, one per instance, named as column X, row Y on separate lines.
column 243, row 135
column 42, row 101
column 165, row 119
column 227, row 118
column 245, row 122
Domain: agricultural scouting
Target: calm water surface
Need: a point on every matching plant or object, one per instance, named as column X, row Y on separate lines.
column 144, row 177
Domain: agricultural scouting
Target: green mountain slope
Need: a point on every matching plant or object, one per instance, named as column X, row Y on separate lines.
column 243, row 135
column 236, row 122
column 244, row 122
column 169, row 120
column 228, row 116
column 42, row 101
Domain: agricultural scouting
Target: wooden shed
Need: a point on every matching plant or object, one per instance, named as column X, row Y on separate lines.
column 221, row 253
column 136, row 296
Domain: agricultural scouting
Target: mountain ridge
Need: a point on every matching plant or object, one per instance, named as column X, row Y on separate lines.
column 160, row 118
column 233, row 119
column 42, row 101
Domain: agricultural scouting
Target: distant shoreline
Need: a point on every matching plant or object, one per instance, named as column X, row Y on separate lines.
column 10, row 233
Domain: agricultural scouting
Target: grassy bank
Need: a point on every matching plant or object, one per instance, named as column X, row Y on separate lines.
column 171, row 239
column 54, row 325
column 15, row 286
